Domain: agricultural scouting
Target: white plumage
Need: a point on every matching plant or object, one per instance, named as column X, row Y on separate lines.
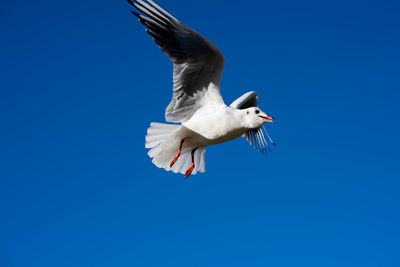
column 196, row 102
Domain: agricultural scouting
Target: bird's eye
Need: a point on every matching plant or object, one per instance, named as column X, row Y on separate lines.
column 257, row 111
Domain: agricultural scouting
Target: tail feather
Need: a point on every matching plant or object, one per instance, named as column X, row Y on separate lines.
column 157, row 133
column 182, row 164
column 163, row 140
column 202, row 166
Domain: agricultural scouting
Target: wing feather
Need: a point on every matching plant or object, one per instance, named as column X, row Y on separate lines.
column 198, row 63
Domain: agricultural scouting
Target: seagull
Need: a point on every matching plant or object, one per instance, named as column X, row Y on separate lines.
column 197, row 113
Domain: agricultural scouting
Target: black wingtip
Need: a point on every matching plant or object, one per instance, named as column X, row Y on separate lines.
column 130, row 2
column 134, row 13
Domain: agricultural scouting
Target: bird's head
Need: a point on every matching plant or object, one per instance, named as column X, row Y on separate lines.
column 255, row 118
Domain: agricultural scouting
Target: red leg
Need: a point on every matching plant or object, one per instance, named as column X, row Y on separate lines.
column 191, row 168
column 177, row 154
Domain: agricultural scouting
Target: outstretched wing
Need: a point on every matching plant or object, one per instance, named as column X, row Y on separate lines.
column 258, row 137
column 198, row 63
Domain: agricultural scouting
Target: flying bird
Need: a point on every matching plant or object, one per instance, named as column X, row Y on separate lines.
column 200, row 115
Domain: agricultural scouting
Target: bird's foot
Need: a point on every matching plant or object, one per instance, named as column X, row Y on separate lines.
column 189, row 171
column 177, row 154
column 175, row 158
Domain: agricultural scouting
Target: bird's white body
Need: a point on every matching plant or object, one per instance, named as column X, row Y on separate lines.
column 216, row 125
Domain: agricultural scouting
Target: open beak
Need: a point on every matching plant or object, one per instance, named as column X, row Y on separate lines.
column 268, row 118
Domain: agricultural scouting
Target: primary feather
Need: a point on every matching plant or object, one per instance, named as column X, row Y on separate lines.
column 197, row 61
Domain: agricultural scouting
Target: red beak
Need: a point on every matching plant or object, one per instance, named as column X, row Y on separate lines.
column 268, row 118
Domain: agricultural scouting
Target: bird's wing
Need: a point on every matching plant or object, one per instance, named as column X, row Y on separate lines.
column 198, row 63
column 247, row 100
column 258, row 137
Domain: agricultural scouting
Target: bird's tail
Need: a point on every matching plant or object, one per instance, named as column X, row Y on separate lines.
column 164, row 140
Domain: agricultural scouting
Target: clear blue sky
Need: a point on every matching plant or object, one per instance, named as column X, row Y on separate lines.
column 80, row 82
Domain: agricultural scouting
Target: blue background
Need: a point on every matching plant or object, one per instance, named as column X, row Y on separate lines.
column 80, row 82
